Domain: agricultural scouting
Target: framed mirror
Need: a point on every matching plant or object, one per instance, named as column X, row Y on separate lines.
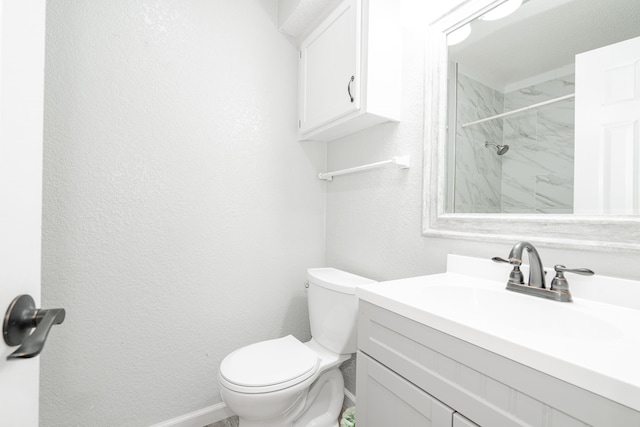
column 532, row 123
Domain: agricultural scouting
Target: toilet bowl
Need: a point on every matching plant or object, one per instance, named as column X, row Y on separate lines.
column 286, row 383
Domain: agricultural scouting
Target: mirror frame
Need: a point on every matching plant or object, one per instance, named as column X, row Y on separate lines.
column 604, row 233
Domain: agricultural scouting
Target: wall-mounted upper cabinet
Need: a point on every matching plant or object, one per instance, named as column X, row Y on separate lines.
column 350, row 70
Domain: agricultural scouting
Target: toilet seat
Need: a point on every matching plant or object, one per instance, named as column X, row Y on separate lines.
column 268, row 366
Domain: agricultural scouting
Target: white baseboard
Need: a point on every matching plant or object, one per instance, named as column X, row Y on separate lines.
column 200, row 418
column 350, row 396
column 211, row 414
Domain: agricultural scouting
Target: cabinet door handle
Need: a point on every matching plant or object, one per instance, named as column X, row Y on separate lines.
column 349, row 88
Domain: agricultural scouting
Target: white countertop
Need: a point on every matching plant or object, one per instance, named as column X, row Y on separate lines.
column 588, row 343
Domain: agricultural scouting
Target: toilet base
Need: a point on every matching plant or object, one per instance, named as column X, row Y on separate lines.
column 320, row 408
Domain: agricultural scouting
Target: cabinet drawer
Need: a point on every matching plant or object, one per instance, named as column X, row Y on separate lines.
column 488, row 388
column 386, row 399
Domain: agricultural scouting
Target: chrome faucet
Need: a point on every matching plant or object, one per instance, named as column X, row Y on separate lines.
column 559, row 290
column 536, row 270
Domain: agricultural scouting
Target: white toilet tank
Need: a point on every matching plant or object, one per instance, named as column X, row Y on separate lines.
column 333, row 308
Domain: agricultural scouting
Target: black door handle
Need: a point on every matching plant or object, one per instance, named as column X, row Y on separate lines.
column 22, row 316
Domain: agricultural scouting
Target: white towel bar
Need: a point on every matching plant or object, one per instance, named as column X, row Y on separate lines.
column 403, row 162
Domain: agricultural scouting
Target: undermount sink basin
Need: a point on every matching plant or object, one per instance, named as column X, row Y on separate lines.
column 494, row 307
column 588, row 343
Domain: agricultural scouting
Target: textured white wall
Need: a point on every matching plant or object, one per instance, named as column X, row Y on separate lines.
column 180, row 212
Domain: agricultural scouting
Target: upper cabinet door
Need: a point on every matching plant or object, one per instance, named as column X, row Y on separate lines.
column 329, row 76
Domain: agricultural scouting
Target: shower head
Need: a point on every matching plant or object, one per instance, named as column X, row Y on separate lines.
column 500, row 149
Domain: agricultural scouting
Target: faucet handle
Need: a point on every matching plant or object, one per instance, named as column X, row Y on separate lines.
column 582, row 271
column 560, row 284
column 516, row 275
column 512, row 261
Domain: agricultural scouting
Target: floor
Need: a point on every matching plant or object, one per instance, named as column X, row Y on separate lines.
column 233, row 421
column 229, row 422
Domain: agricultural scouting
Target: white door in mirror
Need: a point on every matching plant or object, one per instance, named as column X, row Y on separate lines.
column 607, row 132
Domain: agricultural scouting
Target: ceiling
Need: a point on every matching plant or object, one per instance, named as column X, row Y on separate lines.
column 543, row 35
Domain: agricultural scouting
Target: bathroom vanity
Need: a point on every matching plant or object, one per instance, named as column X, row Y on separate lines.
column 458, row 350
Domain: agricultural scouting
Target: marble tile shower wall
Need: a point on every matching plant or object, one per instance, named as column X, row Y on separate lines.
column 478, row 169
column 536, row 174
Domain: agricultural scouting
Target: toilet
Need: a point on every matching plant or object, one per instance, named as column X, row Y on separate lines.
column 286, row 383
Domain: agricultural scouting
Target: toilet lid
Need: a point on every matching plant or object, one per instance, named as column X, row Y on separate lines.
column 269, row 363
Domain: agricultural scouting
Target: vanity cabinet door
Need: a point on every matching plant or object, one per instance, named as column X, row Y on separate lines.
column 386, row 399
column 329, row 68
column 460, row 421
